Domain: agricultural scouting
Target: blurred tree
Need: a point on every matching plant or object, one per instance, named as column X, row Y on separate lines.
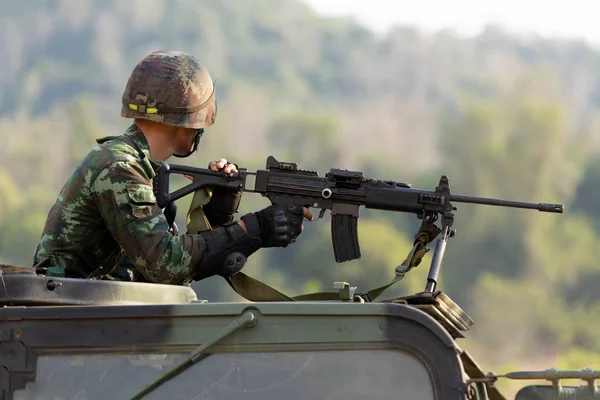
column 313, row 140
column 310, row 263
column 517, row 122
column 587, row 196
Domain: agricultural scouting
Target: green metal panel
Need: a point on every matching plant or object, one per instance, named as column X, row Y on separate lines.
column 346, row 335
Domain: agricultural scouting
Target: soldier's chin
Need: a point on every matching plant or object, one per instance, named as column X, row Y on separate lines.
column 183, row 154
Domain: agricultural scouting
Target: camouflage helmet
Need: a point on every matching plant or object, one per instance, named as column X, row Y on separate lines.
column 173, row 88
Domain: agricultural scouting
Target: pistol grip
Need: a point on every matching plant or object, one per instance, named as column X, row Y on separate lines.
column 344, row 234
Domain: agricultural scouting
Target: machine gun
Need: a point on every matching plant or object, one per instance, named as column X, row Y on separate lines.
column 342, row 192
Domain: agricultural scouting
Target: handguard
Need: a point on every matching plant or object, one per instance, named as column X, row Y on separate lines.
column 226, row 259
column 344, row 232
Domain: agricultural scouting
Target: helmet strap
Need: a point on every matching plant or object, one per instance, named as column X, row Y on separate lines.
column 197, row 137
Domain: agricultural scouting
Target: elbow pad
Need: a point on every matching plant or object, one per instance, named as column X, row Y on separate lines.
column 226, row 250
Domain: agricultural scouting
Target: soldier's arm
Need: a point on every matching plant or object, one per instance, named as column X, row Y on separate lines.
column 124, row 196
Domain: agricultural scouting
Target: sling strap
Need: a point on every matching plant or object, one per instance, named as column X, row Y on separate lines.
column 256, row 291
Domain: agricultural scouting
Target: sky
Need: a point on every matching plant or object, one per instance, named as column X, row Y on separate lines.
column 551, row 18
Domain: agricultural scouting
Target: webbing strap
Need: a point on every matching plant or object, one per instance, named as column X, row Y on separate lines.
column 141, row 105
column 254, row 290
column 427, row 232
column 196, row 220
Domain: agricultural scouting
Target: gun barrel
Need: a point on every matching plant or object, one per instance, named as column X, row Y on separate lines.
column 544, row 207
column 553, row 374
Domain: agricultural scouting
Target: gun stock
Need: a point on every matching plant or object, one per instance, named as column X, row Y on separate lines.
column 202, row 177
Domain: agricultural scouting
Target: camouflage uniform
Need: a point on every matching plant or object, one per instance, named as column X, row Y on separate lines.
column 108, row 204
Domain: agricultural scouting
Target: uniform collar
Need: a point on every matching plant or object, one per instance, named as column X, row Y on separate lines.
column 140, row 143
column 138, row 137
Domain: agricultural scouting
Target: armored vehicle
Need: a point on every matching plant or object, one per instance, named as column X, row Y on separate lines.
column 64, row 338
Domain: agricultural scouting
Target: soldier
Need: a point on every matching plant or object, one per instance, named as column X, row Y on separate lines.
column 106, row 213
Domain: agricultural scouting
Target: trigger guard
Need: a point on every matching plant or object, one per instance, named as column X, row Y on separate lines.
column 321, row 214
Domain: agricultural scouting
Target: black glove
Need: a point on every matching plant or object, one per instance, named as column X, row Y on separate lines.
column 277, row 225
column 222, row 205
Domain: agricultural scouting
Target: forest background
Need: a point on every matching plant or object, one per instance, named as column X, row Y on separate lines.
column 501, row 115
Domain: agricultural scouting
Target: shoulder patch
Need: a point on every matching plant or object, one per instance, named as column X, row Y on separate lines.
column 141, row 194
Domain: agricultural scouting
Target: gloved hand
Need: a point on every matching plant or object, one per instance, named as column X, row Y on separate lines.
column 222, row 206
column 276, row 225
column 223, row 203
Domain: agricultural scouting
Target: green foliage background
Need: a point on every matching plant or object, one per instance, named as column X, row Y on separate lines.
column 501, row 115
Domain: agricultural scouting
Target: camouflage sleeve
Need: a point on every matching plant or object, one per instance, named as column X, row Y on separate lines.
column 124, row 196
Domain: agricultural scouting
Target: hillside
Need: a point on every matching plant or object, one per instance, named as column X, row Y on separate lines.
column 499, row 115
